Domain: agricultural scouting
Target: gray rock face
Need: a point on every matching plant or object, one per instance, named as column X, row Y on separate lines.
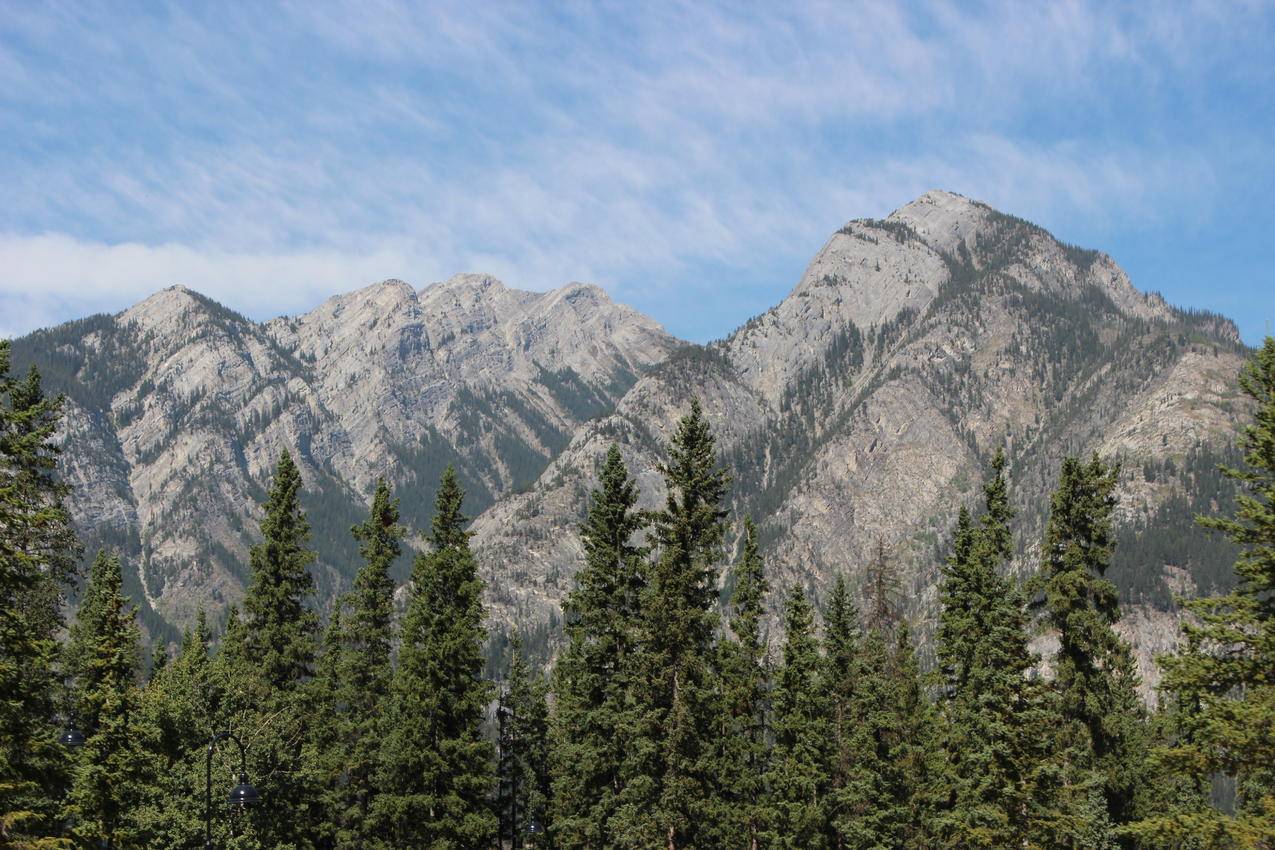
column 170, row 456
column 863, row 408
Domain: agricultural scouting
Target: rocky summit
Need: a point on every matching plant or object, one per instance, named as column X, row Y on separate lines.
column 861, row 411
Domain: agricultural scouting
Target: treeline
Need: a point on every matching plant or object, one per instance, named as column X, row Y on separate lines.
column 669, row 720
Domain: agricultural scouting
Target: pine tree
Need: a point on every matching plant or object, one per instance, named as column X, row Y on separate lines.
column 353, row 682
column 38, row 554
column 281, row 628
column 109, row 771
column 175, row 719
column 592, row 675
column 666, row 781
column 436, row 769
column 799, row 767
column 842, row 657
column 1222, row 682
column 1095, row 679
column 524, row 752
column 984, row 660
column 741, row 752
column 265, row 663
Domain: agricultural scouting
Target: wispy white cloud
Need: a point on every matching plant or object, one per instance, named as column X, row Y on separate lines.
column 269, row 158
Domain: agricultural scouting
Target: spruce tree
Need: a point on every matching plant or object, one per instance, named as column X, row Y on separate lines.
column 666, row 776
column 352, row 685
column 38, row 553
column 591, row 678
column 1221, row 684
column 436, row 769
column 265, row 663
column 741, row 750
column 1095, row 679
column 798, row 778
column 176, row 715
column 109, row 771
column 842, row 657
column 984, row 662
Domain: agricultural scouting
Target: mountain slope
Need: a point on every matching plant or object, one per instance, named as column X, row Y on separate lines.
column 865, row 407
column 862, row 408
column 179, row 408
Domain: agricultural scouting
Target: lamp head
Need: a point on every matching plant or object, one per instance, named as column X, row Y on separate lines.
column 243, row 794
column 72, row 738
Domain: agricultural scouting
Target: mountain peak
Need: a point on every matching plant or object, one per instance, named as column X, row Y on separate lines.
column 943, row 219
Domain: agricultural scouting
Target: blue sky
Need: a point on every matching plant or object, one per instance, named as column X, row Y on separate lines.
column 691, row 158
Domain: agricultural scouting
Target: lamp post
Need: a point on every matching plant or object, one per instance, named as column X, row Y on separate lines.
column 242, row 795
column 534, row 831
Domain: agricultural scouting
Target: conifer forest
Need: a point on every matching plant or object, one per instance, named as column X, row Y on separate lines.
column 690, row 702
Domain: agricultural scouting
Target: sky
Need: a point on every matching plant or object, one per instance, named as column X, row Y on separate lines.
column 690, row 158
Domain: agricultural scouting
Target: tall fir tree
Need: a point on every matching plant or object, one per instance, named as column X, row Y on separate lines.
column 109, row 772
column 353, row 683
column 38, row 554
column 175, row 719
column 741, row 749
column 593, row 674
column 1095, row 681
column 1222, row 682
column 665, row 799
column 984, row 660
column 798, row 779
column 436, row 769
column 265, row 663
column 843, row 661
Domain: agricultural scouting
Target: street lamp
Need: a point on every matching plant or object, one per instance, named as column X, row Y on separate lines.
column 242, row 795
column 71, row 738
column 534, row 830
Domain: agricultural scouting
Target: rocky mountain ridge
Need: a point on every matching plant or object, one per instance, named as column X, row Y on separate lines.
column 861, row 409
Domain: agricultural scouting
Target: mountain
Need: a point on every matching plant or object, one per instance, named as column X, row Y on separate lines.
column 862, row 409
column 866, row 407
column 178, row 409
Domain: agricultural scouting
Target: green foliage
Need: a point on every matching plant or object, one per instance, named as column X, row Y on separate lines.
column 592, row 677
column 1100, row 715
column 797, row 781
column 741, row 753
column 108, row 774
column 38, row 552
column 665, row 777
column 436, row 770
column 1222, row 683
column 524, row 775
column 984, row 662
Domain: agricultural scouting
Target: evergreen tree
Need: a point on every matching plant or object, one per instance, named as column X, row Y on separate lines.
column 984, row 660
column 281, row 628
column 666, row 775
column 799, row 776
column 38, row 553
column 265, row 663
column 176, row 711
column 1222, row 682
column 353, row 682
column 869, row 810
column 1095, row 679
column 436, row 770
column 842, row 657
column 741, row 747
column 592, row 676
column 109, row 772
column 524, row 752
